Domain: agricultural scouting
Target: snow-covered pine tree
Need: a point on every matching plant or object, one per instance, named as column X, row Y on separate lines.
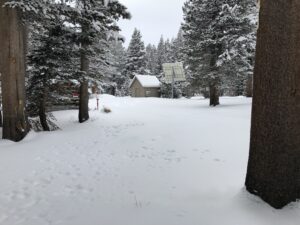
column 201, row 45
column 169, row 54
column 207, row 30
column 114, row 79
column 13, row 38
column 52, row 50
column 238, row 20
column 118, row 52
column 151, row 59
column 161, row 55
column 136, row 55
column 95, row 20
column 178, row 47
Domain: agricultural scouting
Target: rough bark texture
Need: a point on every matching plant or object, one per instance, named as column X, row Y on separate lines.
column 83, row 94
column 249, row 87
column 12, row 69
column 42, row 112
column 83, row 102
column 274, row 161
column 0, row 118
column 213, row 95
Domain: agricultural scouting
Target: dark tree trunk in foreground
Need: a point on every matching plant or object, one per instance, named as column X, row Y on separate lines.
column 1, row 123
column 274, row 161
column 213, row 95
column 12, row 69
column 0, row 117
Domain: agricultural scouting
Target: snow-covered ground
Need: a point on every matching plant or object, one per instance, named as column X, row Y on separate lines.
column 149, row 162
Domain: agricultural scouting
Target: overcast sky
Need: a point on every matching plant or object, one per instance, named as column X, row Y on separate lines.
column 153, row 18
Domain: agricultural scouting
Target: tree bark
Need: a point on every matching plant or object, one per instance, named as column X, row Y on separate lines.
column 274, row 161
column 12, row 69
column 83, row 102
column 42, row 111
column 0, row 117
column 249, row 87
column 83, row 94
column 1, row 122
column 213, row 95
column 43, row 117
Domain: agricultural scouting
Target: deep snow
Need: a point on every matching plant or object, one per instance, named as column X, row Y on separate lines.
column 149, row 162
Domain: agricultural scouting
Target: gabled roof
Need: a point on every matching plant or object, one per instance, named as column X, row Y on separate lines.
column 146, row 81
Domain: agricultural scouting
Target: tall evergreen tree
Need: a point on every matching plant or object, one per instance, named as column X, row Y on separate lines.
column 96, row 19
column 114, row 79
column 48, row 58
column 169, row 54
column 151, row 59
column 12, row 69
column 136, row 55
column 161, row 55
column 239, row 22
column 211, row 31
column 274, row 168
column 178, row 47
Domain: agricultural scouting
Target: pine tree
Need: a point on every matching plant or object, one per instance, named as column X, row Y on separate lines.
column 47, row 61
column 114, row 78
column 273, row 169
column 201, row 47
column 214, row 32
column 169, row 54
column 12, row 69
column 161, row 56
column 178, row 47
column 136, row 61
column 96, row 19
column 29, row 11
column 239, row 21
column 151, row 59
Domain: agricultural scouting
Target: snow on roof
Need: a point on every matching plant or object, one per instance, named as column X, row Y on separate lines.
column 146, row 80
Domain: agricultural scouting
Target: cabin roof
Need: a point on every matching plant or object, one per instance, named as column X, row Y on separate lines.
column 146, row 81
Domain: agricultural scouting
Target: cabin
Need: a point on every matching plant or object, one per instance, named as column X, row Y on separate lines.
column 145, row 86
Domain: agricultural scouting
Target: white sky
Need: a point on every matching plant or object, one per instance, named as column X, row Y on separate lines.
column 153, row 18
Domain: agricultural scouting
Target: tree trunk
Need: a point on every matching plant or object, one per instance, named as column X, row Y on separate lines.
column 213, row 95
column 83, row 94
column 43, row 116
column 0, row 116
column 249, row 87
column 42, row 111
column 274, row 161
column 83, row 102
column 12, row 69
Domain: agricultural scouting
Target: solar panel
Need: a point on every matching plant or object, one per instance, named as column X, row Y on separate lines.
column 174, row 70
